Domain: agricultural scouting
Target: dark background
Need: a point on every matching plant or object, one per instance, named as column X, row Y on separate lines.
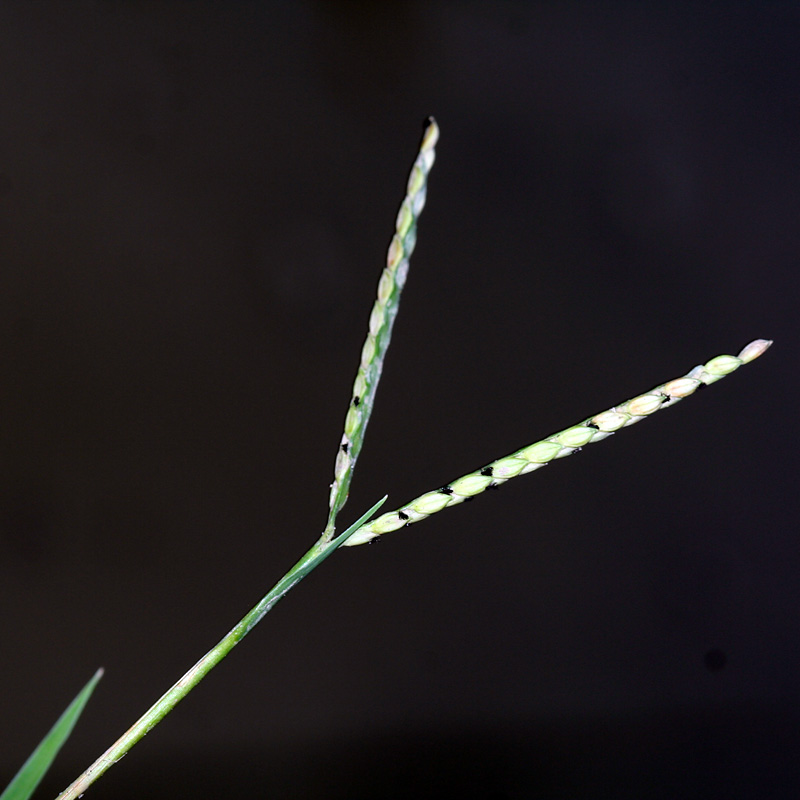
column 195, row 204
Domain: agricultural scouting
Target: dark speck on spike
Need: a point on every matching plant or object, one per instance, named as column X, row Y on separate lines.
column 590, row 424
column 344, row 447
column 356, row 401
column 446, row 490
column 487, row 472
column 401, row 515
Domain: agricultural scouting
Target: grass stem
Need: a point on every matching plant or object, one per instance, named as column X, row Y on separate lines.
column 313, row 558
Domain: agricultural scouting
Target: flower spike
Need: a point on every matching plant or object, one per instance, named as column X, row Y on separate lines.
column 381, row 321
column 568, row 441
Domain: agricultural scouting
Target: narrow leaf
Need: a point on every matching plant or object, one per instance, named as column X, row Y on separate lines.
column 24, row 783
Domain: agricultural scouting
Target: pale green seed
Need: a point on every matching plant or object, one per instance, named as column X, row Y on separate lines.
column 351, row 421
column 681, row 387
column 541, row 452
column 430, row 503
column 360, row 385
column 610, row 421
column 754, row 350
column 395, row 253
column 576, row 437
column 430, row 137
column 415, row 180
column 376, row 318
column 387, row 523
column 385, row 286
column 470, row 485
column 508, row 467
column 341, row 464
column 404, row 218
column 368, row 352
column 723, row 365
column 645, row 404
column 363, row 535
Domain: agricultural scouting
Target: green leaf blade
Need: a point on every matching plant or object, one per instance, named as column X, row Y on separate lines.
column 24, row 783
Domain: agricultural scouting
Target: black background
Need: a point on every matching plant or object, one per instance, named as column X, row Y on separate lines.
column 195, row 204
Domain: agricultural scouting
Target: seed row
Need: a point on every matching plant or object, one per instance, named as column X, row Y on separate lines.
column 381, row 320
column 559, row 445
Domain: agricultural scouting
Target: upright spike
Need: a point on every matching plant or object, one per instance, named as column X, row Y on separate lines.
column 381, row 320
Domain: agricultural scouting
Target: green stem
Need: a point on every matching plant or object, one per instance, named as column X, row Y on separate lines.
column 313, row 558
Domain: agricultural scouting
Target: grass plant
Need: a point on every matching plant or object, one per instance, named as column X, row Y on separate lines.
column 494, row 473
